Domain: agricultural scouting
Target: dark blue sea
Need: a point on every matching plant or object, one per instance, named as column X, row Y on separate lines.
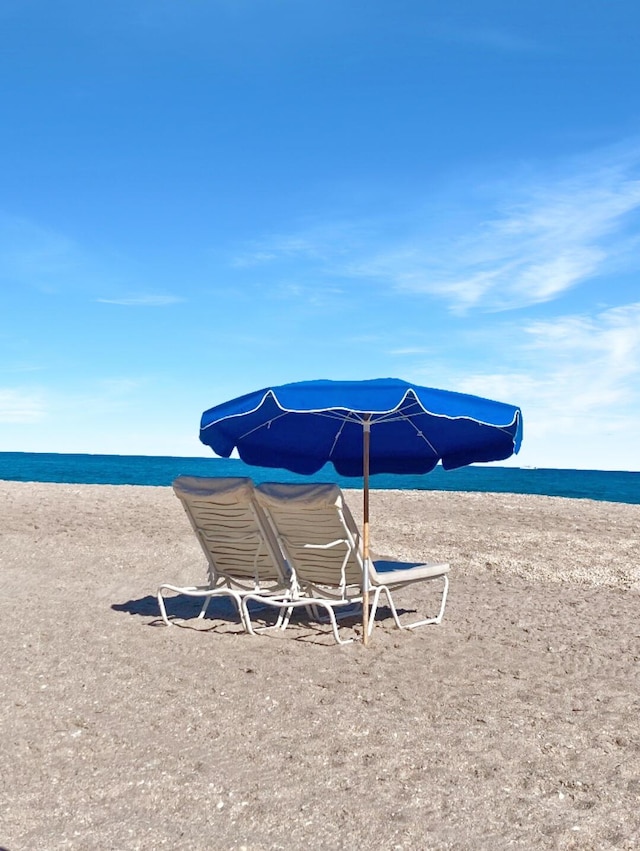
column 162, row 470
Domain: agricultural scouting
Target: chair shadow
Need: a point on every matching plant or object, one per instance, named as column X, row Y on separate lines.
column 310, row 629
column 221, row 614
column 183, row 611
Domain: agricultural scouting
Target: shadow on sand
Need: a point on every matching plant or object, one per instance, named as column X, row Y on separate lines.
column 180, row 608
column 221, row 613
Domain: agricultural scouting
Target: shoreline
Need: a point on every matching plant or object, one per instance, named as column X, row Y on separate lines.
column 600, row 485
column 511, row 724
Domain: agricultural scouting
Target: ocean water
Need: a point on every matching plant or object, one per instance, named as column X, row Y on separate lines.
column 162, row 470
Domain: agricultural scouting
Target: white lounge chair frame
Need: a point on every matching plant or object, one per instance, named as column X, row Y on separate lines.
column 243, row 556
column 320, row 540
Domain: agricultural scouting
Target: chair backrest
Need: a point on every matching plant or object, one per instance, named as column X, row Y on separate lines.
column 316, row 532
column 233, row 531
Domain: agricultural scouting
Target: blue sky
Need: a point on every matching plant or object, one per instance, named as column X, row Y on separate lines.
column 202, row 198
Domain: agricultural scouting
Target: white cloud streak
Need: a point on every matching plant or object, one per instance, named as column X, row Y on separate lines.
column 20, row 406
column 409, row 350
column 143, row 301
column 579, row 389
column 526, row 242
column 561, row 235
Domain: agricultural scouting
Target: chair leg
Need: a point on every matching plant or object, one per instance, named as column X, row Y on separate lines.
column 445, row 592
column 198, row 592
column 237, row 598
column 287, row 606
column 284, row 619
column 424, row 621
column 334, row 623
column 374, row 606
column 205, row 606
column 161, row 606
column 281, row 621
column 192, row 591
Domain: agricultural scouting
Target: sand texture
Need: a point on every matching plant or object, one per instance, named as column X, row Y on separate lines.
column 513, row 724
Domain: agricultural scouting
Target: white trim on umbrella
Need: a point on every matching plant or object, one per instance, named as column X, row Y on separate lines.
column 385, row 415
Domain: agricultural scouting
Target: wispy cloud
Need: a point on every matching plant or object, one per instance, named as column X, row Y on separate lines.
column 143, row 300
column 325, row 243
column 522, row 241
column 546, row 238
column 576, row 378
column 579, row 375
column 593, row 363
column 21, row 406
column 408, row 350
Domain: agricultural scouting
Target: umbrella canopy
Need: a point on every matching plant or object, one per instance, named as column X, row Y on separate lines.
column 302, row 426
column 361, row 427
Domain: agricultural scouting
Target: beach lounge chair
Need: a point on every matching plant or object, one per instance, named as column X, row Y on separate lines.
column 242, row 553
column 321, row 542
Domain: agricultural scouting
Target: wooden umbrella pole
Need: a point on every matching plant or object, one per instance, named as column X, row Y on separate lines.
column 366, row 437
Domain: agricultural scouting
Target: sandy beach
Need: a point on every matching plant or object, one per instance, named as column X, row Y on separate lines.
column 513, row 724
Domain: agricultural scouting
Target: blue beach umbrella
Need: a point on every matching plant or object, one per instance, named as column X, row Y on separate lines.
column 362, row 427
